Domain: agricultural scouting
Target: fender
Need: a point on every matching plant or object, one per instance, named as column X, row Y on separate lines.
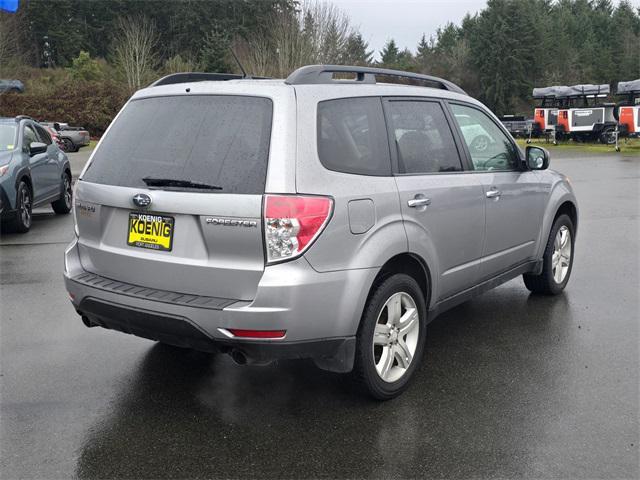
column 426, row 254
column 561, row 192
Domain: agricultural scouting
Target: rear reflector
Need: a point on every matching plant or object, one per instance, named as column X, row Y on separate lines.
column 292, row 223
column 257, row 333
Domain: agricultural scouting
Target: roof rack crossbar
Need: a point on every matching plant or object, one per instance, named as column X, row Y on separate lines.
column 323, row 74
column 189, row 77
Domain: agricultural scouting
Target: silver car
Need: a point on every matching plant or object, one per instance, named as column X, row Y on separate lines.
column 313, row 217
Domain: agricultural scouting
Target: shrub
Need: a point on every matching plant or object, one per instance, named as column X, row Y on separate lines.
column 91, row 105
column 85, row 68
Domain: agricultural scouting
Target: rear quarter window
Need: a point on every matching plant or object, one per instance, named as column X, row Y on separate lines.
column 352, row 136
column 215, row 139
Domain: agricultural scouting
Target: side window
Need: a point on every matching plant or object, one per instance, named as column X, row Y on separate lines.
column 489, row 147
column 423, row 138
column 352, row 136
column 43, row 134
column 29, row 137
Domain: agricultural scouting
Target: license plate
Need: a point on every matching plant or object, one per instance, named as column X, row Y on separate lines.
column 147, row 230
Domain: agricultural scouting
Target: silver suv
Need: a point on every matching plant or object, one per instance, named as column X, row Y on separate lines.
column 313, row 217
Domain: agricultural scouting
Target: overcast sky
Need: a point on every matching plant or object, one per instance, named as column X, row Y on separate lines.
column 406, row 20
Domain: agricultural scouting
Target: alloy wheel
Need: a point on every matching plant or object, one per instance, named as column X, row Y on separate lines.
column 68, row 191
column 561, row 258
column 395, row 337
column 25, row 206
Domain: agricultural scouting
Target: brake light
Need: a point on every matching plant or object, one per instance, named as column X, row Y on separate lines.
column 257, row 333
column 292, row 223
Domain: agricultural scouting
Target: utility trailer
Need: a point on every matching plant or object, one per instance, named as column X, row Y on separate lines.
column 586, row 117
column 628, row 109
column 545, row 116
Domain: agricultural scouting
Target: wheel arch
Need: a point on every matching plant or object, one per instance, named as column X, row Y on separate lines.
column 569, row 208
column 561, row 201
column 408, row 263
column 24, row 176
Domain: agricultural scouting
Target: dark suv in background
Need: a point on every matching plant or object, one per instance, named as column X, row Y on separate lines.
column 33, row 171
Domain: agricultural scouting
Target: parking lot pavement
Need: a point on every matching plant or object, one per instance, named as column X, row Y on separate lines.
column 512, row 385
column 78, row 160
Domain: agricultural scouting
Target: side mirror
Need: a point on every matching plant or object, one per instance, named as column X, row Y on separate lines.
column 37, row 147
column 537, row 158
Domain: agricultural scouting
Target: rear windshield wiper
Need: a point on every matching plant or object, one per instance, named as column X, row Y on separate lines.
column 172, row 182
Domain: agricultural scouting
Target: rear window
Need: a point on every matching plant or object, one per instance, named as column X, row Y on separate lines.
column 352, row 136
column 214, row 139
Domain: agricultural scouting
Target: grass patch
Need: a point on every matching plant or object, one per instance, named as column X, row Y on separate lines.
column 631, row 145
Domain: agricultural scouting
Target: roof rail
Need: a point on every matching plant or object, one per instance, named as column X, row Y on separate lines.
column 188, row 77
column 24, row 117
column 322, row 74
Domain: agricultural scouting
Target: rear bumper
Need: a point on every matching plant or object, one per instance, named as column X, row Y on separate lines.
column 319, row 311
column 332, row 353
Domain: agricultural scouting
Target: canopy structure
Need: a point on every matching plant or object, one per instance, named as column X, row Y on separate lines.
column 550, row 92
column 632, row 86
column 590, row 89
column 561, row 91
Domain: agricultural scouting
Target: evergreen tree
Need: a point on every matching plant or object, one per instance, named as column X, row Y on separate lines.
column 390, row 53
column 356, row 52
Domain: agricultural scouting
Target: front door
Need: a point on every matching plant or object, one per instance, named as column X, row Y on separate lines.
column 37, row 164
column 513, row 197
column 442, row 206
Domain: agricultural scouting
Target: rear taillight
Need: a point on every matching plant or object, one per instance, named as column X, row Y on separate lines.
column 257, row 333
column 292, row 223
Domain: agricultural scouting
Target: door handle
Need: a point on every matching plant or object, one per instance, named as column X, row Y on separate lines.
column 419, row 202
column 493, row 193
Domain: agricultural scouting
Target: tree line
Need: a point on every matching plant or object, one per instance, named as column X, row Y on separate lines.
column 497, row 55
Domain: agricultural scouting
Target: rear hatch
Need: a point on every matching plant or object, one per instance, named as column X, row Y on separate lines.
column 200, row 162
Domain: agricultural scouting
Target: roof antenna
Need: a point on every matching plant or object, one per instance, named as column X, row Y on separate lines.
column 244, row 73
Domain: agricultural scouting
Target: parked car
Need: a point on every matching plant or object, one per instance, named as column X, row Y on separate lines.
column 309, row 218
column 54, row 136
column 72, row 138
column 33, row 172
column 517, row 125
column 7, row 86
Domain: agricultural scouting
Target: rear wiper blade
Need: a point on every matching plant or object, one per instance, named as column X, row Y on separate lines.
column 172, row 182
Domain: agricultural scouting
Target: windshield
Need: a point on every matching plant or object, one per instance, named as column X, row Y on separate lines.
column 207, row 139
column 7, row 137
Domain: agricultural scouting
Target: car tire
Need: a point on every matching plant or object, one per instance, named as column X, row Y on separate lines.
column 382, row 369
column 22, row 218
column 557, row 260
column 68, row 145
column 607, row 136
column 64, row 204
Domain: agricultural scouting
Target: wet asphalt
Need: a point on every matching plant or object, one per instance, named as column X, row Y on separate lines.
column 511, row 385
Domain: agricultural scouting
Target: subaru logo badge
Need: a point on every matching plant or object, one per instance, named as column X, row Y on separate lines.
column 142, row 200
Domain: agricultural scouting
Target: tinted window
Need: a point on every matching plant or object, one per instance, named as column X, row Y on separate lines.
column 489, row 146
column 29, row 136
column 219, row 140
column 352, row 136
column 43, row 135
column 423, row 138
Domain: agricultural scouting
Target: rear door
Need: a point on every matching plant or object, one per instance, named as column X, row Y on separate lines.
column 442, row 206
column 513, row 197
column 142, row 222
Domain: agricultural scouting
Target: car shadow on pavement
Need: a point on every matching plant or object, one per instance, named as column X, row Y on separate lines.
column 190, row 414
